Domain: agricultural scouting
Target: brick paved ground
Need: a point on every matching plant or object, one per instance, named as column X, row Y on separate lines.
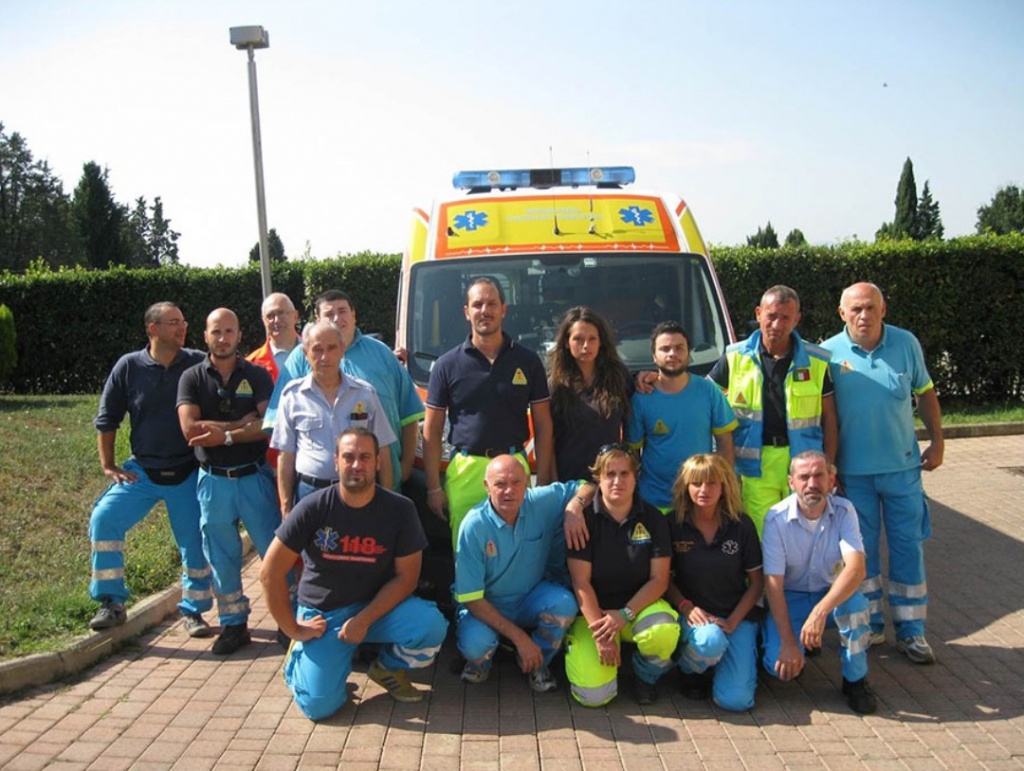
column 168, row 703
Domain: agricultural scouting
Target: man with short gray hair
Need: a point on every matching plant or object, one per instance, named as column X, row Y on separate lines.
column 315, row 410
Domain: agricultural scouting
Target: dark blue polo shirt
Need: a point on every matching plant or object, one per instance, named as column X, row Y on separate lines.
column 146, row 391
column 248, row 386
column 487, row 403
column 620, row 553
column 713, row 576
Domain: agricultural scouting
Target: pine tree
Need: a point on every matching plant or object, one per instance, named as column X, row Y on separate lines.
column 99, row 219
column 795, row 238
column 274, row 245
column 765, row 238
column 929, row 219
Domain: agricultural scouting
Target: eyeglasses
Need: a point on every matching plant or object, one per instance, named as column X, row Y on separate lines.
column 225, row 400
column 174, row 323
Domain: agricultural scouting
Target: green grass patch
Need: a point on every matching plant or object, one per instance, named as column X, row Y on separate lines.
column 49, row 478
column 957, row 413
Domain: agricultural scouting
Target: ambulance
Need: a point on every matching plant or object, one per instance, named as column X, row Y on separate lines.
column 555, row 239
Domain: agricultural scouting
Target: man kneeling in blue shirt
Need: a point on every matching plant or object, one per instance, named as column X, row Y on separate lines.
column 813, row 566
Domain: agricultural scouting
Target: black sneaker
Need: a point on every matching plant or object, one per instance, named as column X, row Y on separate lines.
column 696, row 687
column 195, row 625
column 232, row 637
column 645, row 693
column 110, row 615
column 859, row 696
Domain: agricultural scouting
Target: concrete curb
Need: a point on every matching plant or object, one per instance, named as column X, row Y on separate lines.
column 43, row 668
column 972, row 430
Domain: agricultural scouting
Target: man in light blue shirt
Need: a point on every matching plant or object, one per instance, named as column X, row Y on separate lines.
column 500, row 561
column 878, row 370
column 373, row 362
column 813, row 566
column 315, row 410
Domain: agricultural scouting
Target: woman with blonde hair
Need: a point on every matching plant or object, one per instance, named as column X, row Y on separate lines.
column 717, row 579
column 619, row 578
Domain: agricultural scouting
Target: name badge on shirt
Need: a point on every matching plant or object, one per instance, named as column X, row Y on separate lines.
column 802, row 375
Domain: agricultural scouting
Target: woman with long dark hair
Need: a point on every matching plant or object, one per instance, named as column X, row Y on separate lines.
column 590, row 391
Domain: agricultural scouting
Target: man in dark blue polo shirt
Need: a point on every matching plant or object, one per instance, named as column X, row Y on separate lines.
column 221, row 402
column 162, row 467
column 485, row 386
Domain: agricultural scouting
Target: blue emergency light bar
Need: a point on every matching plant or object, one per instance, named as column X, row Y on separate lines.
column 509, row 179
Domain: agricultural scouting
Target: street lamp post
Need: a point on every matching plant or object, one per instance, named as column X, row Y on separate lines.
column 249, row 39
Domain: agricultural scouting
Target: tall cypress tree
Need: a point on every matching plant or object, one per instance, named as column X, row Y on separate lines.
column 906, row 204
column 929, row 219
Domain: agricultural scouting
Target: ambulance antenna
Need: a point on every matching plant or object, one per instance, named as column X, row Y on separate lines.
column 554, row 204
column 592, row 230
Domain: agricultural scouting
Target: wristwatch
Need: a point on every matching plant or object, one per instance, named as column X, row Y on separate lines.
column 228, row 439
column 628, row 614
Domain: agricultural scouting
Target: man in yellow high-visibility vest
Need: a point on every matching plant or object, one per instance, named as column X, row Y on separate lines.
column 781, row 391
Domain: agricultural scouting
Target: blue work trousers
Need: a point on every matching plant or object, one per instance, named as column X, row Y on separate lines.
column 733, row 655
column 123, row 506
column 224, row 502
column 411, row 635
column 548, row 609
column 898, row 502
column 850, row 617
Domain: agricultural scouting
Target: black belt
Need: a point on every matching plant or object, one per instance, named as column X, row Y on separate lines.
column 231, row 473
column 490, row 452
column 314, row 482
column 775, row 441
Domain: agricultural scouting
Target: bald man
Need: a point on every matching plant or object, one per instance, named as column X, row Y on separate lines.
column 503, row 555
column 879, row 371
column 221, row 402
column 279, row 318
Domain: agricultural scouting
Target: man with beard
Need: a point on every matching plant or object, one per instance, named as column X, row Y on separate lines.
column 780, row 389
column 681, row 416
column 362, row 548
column 486, row 387
column 144, row 385
column 220, row 406
column 813, row 565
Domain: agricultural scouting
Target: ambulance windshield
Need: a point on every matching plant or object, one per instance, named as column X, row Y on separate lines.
column 633, row 293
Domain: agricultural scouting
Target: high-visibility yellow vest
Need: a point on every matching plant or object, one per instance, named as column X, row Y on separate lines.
column 803, row 386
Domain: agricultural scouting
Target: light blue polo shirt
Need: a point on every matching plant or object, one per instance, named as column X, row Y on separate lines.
column 370, row 360
column 873, row 400
column 502, row 562
column 671, row 428
column 809, row 554
column 308, row 425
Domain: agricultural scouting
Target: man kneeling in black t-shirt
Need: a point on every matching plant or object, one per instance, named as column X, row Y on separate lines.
column 361, row 549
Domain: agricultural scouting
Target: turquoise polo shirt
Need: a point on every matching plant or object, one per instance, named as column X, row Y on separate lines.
column 502, row 562
column 672, row 427
column 873, row 392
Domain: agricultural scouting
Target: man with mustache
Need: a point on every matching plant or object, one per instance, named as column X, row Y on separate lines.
column 813, row 567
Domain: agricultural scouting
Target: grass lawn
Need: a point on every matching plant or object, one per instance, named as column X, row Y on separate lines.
column 49, row 478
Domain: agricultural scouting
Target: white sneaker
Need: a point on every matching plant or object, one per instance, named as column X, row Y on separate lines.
column 876, row 638
column 541, row 680
column 474, row 674
column 916, row 649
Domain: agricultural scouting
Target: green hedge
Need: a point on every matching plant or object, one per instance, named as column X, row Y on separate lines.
column 961, row 297
column 74, row 324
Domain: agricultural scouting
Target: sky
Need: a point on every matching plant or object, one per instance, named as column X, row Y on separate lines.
column 796, row 112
